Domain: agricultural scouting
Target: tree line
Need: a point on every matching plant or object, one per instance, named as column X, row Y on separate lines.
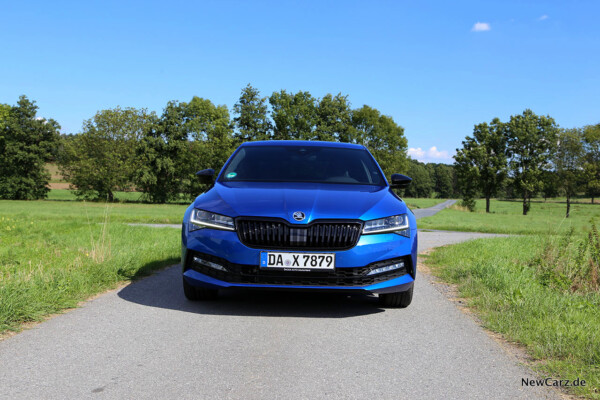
column 431, row 180
column 527, row 156
column 124, row 149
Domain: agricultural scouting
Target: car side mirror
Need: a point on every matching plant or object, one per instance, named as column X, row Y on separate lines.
column 206, row 175
column 400, row 181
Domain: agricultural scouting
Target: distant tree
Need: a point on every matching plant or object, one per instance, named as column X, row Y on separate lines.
column 211, row 125
column 26, row 144
column 186, row 138
column 549, row 184
column 509, row 191
column 294, row 115
column 422, row 184
column 101, row 160
column 383, row 137
column 164, row 156
column 531, row 140
column 467, row 176
column 4, row 113
column 334, row 119
column 486, row 151
column 443, row 178
column 251, row 118
column 591, row 141
column 568, row 161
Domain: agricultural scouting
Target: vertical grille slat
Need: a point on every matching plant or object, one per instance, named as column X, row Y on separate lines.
column 347, row 230
column 271, row 234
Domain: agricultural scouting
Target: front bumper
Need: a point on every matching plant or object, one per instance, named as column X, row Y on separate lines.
column 215, row 272
column 241, row 264
column 394, row 285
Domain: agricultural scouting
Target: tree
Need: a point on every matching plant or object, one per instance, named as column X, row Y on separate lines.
column 591, row 141
column 422, row 184
column 383, row 137
column 486, row 151
column 531, row 140
column 443, row 179
column 568, row 160
column 251, row 120
column 101, row 160
column 4, row 113
column 549, row 184
column 294, row 115
column 334, row 119
column 210, row 131
column 164, row 156
column 467, row 176
column 211, row 124
column 26, row 144
column 188, row 137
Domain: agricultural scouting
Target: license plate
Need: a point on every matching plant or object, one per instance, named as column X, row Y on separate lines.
column 297, row 261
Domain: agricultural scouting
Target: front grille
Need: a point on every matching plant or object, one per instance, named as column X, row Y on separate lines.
column 251, row 274
column 278, row 234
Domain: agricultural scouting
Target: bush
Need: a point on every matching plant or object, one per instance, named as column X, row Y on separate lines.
column 570, row 262
column 469, row 203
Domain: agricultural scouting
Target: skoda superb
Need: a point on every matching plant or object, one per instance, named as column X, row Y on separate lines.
column 300, row 215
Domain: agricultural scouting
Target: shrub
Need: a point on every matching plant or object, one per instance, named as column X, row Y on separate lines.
column 570, row 262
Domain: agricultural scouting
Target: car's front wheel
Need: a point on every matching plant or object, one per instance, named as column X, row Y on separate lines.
column 398, row 299
column 194, row 293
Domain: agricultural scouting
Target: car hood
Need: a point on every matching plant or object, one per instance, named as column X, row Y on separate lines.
column 315, row 200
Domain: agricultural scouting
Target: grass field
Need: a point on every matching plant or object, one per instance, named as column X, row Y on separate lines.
column 505, row 287
column 506, row 218
column 56, row 254
column 422, row 202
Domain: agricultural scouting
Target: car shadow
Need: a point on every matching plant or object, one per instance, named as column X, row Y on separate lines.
column 164, row 290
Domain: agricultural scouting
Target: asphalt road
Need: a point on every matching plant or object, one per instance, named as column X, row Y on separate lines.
column 145, row 341
column 428, row 212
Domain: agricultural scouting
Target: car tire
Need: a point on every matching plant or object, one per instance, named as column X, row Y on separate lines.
column 194, row 293
column 397, row 300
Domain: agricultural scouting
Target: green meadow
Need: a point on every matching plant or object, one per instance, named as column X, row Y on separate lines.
column 505, row 217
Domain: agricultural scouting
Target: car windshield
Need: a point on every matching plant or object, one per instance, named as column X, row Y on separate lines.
column 303, row 164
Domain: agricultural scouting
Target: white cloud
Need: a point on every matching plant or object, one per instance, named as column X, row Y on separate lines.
column 417, row 153
column 543, row 17
column 481, row 27
column 431, row 155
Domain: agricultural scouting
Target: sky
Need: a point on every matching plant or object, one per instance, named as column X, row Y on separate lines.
column 436, row 67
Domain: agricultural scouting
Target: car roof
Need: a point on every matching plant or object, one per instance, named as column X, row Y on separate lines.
column 302, row 143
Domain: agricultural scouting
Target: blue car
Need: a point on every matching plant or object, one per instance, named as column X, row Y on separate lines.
column 300, row 215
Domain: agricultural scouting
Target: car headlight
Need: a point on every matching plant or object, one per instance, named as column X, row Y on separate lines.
column 397, row 224
column 204, row 219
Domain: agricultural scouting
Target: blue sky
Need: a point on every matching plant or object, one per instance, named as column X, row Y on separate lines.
column 437, row 68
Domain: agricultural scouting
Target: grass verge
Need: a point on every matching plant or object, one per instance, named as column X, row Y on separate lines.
column 55, row 254
column 505, row 285
column 506, row 218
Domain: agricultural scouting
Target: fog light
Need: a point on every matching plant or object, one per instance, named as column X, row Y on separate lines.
column 210, row 264
column 386, row 268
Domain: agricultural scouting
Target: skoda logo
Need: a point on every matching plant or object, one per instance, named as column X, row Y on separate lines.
column 299, row 216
